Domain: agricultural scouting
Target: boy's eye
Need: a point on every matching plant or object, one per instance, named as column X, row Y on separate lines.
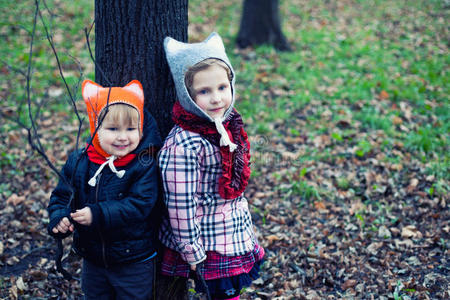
column 131, row 128
column 223, row 87
column 112, row 128
column 203, row 92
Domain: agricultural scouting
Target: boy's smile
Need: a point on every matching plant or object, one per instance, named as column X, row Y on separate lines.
column 118, row 137
column 212, row 91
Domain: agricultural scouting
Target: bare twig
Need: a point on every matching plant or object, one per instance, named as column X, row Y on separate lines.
column 32, row 131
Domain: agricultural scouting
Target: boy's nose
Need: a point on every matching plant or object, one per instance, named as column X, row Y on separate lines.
column 122, row 135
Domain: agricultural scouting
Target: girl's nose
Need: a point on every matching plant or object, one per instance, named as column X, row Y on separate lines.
column 215, row 97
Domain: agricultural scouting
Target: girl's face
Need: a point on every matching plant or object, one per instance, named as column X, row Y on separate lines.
column 212, row 91
column 118, row 137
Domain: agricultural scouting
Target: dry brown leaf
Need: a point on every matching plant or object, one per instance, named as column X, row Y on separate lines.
column 271, row 238
column 13, row 292
column 319, row 205
column 383, row 95
column 15, row 200
column 411, row 231
column 348, row 284
column 397, row 120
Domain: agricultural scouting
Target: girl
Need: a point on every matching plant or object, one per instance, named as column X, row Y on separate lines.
column 205, row 170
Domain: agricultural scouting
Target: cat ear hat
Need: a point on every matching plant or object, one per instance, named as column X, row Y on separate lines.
column 97, row 98
column 181, row 56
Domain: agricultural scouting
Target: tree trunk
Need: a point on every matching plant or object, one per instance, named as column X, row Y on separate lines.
column 129, row 38
column 260, row 24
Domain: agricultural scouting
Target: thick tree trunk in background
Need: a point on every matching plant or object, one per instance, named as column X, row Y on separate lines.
column 260, row 24
column 129, row 38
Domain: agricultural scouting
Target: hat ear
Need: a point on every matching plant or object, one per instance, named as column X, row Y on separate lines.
column 136, row 88
column 172, row 46
column 90, row 88
column 215, row 41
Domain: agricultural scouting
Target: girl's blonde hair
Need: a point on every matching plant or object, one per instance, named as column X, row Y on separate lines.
column 122, row 112
column 204, row 64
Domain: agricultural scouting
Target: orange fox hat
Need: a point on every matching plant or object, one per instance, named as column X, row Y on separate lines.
column 97, row 98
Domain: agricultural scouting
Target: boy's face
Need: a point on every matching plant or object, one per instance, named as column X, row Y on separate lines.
column 118, row 137
column 212, row 90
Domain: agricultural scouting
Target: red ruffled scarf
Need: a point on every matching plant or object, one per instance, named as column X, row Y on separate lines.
column 235, row 165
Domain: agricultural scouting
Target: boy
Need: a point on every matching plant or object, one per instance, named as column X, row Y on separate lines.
column 110, row 214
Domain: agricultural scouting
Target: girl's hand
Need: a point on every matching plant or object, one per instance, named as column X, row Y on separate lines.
column 82, row 216
column 63, row 226
column 193, row 267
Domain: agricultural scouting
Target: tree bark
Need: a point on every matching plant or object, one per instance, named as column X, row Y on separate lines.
column 260, row 24
column 129, row 38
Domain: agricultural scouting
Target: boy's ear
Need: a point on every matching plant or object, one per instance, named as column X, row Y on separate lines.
column 136, row 88
column 90, row 88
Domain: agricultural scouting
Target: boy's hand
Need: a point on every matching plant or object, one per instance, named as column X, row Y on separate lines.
column 193, row 267
column 63, row 226
column 82, row 216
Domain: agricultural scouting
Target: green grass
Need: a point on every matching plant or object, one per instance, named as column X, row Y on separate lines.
column 366, row 62
column 347, row 60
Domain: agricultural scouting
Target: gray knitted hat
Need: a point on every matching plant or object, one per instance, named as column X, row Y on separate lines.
column 182, row 56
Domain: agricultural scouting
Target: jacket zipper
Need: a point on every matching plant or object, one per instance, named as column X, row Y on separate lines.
column 99, row 233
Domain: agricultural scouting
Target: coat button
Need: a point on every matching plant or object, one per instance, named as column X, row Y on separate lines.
column 127, row 251
column 120, row 195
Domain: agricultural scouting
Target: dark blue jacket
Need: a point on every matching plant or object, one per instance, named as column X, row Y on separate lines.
column 124, row 228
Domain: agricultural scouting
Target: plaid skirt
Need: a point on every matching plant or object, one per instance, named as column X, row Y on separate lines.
column 228, row 287
column 215, row 266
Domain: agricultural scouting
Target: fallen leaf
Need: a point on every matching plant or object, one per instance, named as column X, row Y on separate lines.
column 38, row 274
column 21, row 286
column 13, row 292
column 272, row 238
column 397, row 120
column 15, row 200
column 412, row 185
column 383, row 95
column 411, row 231
column 348, row 284
column 319, row 205
column 373, row 248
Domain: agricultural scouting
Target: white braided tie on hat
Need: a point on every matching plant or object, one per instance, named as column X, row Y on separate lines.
column 110, row 162
column 224, row 138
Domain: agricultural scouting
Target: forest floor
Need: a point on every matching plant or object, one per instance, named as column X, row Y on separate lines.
column 349, row 133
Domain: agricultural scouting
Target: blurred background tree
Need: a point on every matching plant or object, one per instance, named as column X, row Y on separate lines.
column 260, row 24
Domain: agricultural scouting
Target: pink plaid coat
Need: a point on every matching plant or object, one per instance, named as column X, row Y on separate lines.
column 199, row 220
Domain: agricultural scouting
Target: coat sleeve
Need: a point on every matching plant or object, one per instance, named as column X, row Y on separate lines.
column 136, row 205
column 180, row 175
column 59, row 206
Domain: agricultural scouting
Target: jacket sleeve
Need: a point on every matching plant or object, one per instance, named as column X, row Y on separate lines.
column 180, row 174
column 136, row 205
column 59, row 206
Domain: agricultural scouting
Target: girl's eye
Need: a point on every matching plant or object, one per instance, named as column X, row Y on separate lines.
column 131, row 128
column 203, row 92
column 223, row 87
column 112, row 128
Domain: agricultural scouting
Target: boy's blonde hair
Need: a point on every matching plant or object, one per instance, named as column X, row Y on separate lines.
column 121, row 112
column 204, row 64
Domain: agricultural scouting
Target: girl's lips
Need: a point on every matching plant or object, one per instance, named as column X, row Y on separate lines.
column 216, row 109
